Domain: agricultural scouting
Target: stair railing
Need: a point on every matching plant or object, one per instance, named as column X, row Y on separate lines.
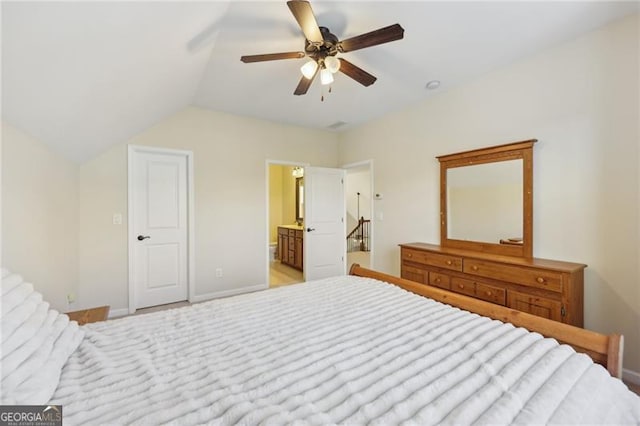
column 358, row 238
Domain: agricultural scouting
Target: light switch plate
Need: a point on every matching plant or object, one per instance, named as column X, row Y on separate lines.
column 117, row 218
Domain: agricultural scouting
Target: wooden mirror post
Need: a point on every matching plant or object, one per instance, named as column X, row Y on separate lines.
column 513, row 151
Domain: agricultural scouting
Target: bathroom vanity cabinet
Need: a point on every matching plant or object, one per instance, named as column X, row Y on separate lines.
column 290, row 246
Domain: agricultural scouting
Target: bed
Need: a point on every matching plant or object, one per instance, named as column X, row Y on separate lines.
column 343, row 350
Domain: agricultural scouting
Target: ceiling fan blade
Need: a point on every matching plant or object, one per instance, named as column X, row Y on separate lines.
column 272, row 57
column 306, row 19
column 373, row 38
column 304, row 84
column 356, row 73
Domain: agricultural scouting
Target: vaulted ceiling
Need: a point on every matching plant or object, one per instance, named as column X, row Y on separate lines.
column 81, row 76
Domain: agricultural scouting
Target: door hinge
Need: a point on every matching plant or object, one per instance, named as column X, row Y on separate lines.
column 563, row 311
column 342, row 181
column 342, row 219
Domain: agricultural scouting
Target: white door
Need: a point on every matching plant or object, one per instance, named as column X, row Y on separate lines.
column 325, row 229
column 159, row 239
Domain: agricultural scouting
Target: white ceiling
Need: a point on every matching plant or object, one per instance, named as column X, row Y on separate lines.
column 83, row 76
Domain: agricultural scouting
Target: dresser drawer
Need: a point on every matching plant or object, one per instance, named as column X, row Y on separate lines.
column 439, row 280
column 292, row 232
column 540, row 278
column 413, row 274
column 299, row 233
column 536, row 305
column 460, row 285
column 292, row 244
column 491, row 294
column 438, row 260
column 283, row 231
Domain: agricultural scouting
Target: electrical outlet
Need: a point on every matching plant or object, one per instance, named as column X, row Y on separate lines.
column 71, row 298
column 219, row 272
column 117, row 218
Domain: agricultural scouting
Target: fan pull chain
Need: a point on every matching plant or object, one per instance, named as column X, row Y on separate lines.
column 322, row 94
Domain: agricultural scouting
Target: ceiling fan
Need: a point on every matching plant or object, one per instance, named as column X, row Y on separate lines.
column 321, row 46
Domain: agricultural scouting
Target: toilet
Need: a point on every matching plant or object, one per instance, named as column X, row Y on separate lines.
column 272, row 251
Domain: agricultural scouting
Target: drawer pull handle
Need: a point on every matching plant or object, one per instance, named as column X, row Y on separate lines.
column 409, row 255
column 540, row 280
column 488, row 293
column 461, row 286
column 474, row 267
column 437, row 280
column 449, row 262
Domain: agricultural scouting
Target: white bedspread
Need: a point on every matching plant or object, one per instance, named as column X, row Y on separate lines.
column 343, row 350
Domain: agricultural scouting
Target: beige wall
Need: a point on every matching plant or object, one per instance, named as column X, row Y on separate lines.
column 39, row 216
column 580, row 99
column 230, row 154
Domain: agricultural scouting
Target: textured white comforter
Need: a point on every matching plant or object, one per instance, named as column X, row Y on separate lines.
column 343, row 350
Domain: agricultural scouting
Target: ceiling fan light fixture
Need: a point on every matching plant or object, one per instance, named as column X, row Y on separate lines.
column 332, row 64
column 321, row 45
column 326, row 77
column 309, row 69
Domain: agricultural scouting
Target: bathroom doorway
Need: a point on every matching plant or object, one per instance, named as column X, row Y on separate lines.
column 285, row 223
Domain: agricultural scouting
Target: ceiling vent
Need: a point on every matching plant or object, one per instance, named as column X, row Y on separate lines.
column 336, row 125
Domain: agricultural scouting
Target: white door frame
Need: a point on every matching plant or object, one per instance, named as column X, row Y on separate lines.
column 266, row 191
column 131, row 236
column 356, row 165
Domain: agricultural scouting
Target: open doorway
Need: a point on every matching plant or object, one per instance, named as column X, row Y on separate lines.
column 285, row 220
column 359, row 200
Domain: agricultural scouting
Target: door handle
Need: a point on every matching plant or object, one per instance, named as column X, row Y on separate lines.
column 311, row 229
column 143, row 237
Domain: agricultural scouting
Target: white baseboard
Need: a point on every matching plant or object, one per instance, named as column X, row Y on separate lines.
column 631, row 376
column 115, row 313
column 227, row 293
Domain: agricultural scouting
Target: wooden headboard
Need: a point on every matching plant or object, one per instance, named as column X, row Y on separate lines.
column 603, row 349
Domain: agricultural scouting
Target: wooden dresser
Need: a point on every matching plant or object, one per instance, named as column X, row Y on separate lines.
column 290, row 244
column 547, row 288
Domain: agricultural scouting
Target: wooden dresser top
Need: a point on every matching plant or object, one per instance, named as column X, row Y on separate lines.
column 531, row 262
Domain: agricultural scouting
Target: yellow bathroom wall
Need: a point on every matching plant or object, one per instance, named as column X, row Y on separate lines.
column 275, row 201
column 288, row 196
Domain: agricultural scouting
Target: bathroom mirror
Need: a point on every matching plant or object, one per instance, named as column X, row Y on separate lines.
column 299, row 200
column 486, row 199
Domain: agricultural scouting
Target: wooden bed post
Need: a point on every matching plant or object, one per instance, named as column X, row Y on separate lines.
column 615, row 349
column 603, row 349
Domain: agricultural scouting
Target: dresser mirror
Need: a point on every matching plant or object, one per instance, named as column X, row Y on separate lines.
column 486, row 199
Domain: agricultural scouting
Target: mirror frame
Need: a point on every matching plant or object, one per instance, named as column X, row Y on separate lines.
column 299, row 208
column 513, row 151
